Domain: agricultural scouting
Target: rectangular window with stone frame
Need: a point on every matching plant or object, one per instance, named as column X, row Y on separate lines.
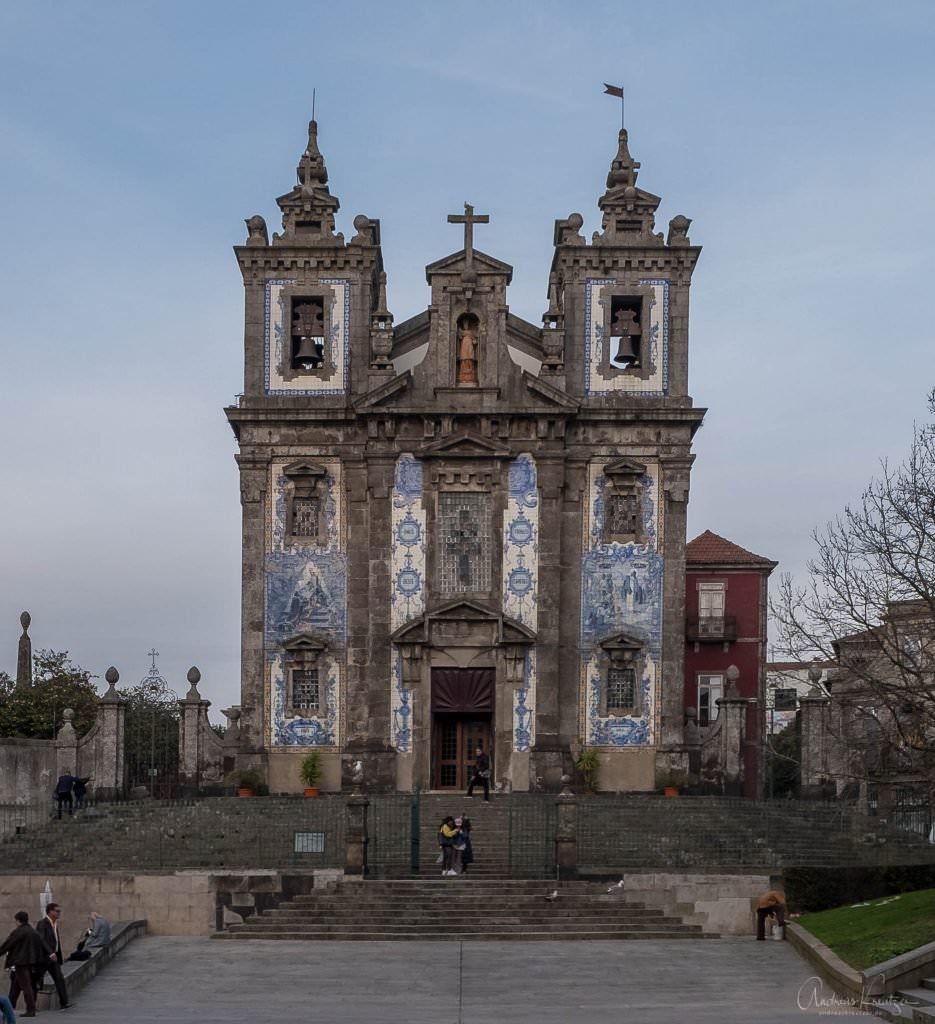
column 464, row 546
column 623, row 502
column 306, row 495
column 621, row 688
column 621, row 668
column 304, row 691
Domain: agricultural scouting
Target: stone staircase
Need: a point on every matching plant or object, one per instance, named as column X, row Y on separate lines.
column 916, row 1004
column 490, row 832
column 462, row 909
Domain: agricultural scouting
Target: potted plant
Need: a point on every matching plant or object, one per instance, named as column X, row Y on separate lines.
column 247, row 781
column 588, row 764
column 672, row 783
column 311, row 772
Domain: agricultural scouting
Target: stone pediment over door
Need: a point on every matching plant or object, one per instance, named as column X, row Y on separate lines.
column 469, row 621
column 464, row 630
column 464, row 444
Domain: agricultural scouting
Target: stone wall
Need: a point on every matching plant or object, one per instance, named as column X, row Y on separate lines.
column 172, row 903
column 721, row 904
column 27, row 771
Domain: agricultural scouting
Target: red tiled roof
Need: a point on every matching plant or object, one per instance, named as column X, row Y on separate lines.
column 709, row 547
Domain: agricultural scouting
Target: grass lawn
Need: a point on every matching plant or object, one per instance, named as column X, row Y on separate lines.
column 867, row 933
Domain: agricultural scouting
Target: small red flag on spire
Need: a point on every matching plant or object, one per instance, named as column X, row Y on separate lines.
column 613, row 90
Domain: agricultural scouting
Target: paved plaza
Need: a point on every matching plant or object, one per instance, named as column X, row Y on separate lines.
column 705, row 982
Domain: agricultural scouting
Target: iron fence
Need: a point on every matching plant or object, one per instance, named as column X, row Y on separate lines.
column 392, row 834
column 533, row 821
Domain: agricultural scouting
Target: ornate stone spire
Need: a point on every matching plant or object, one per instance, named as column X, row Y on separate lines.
column 308, row 210
column 629, row 212
column 624, row 169
column 311, row 170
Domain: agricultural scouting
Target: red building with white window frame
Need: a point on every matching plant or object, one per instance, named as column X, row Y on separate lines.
column 726, row 592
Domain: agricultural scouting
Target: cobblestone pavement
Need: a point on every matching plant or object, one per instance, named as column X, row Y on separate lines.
column 705, row 982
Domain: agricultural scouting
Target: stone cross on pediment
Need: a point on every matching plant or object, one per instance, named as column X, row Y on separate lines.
column 468, row 219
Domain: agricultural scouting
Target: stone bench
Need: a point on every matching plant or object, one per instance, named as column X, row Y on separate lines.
column 78, row 973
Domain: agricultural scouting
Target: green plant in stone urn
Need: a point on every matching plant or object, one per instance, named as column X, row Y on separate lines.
column 588, row 765
column 310, row 772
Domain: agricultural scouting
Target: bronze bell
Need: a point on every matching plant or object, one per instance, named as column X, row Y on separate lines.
column 309, row 350
column 628, row 349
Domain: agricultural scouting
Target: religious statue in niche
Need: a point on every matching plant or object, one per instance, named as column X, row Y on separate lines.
column 468, row 328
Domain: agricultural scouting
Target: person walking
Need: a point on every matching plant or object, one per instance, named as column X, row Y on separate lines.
column 48, row 932
column 447, row 834
column 63, row 788
column 25, row 953
column 481, row 774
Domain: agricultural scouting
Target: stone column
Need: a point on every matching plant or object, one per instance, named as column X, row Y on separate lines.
column 254, row 475
column 550, row 753
column 732, row 713
column 815, row 739
column 675, row 486
column 566, row 833
column 66, row 746
column 109, row 771
column 191, row 752
column 24, row 655
column 355, row 834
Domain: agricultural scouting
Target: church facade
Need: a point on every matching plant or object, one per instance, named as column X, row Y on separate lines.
column 464, row 529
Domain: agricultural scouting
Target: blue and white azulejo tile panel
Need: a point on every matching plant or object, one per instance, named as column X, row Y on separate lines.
column 407, row 583
column 595, row 344
column 407, row 544
column 520, row 592
column 306, row 592
column 276, row 341
column 621, row 590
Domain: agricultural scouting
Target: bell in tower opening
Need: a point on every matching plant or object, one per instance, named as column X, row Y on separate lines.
column 468, row 328
column 308, row 334
column 626, row 331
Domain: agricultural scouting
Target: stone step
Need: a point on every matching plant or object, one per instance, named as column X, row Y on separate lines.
column 457, row 936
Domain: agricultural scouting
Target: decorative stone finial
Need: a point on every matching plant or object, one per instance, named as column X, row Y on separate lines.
column 194, row 677
column 257, row 233
column 624, row 169
column 733, row 674
column 68, row 715
column 311, row 170
column 112, row 677
column 678, row 231
column 364, row 227
column 814, row 677
column 25, row 619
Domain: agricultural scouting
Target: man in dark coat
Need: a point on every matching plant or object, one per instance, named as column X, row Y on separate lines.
column 481, row 773
column 63, row 790
column 25, row 953
column 48, row 933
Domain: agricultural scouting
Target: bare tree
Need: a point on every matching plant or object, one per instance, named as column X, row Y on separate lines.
column 869, row 605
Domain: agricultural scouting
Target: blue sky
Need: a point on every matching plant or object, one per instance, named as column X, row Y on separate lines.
column 138, row 136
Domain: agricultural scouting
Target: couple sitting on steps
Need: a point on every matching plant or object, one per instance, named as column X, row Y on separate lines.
column 454, row 839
